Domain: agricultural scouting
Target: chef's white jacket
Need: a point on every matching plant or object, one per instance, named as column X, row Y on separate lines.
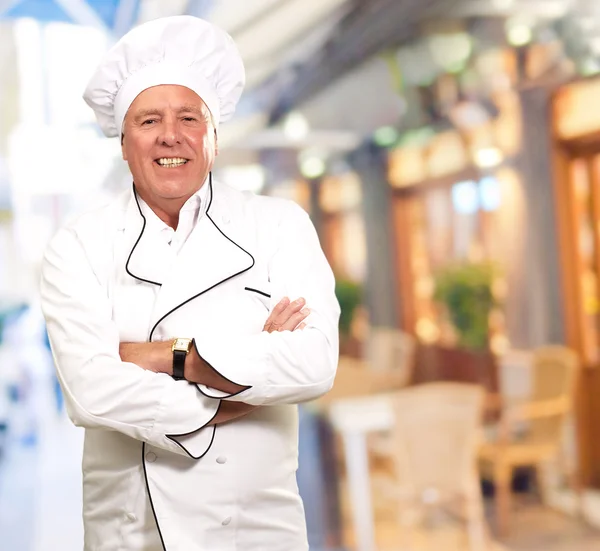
column 155, row 475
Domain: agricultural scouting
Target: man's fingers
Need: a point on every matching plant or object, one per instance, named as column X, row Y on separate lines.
column 272, row 322
column 293, row 308
column 295, row 320
column 283, row 320
column 301, row 326
column 280, row 307
column 286, row 316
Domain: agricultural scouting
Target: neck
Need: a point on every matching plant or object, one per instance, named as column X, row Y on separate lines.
column 170, row 218
column 166, row 209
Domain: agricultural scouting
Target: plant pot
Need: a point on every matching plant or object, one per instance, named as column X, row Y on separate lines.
column 443, row 363
column 350, row 346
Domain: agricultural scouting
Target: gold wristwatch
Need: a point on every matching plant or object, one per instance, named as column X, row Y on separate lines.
column 181, row 348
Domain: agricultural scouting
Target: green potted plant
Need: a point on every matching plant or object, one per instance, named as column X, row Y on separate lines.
column 349, row 295
column 466, row 292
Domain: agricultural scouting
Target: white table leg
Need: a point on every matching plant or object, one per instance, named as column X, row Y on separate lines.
column 357, row 464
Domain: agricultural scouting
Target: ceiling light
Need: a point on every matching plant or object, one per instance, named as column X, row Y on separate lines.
column 451, row 51
column 296, row 126
column 488, row 157
column 518, row 32
column 385, row 136
column 312, row 167
column 312, row 163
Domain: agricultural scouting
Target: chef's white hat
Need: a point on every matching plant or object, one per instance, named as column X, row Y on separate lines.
column 182, row 50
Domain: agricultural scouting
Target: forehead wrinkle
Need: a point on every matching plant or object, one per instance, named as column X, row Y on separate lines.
column 190, row 108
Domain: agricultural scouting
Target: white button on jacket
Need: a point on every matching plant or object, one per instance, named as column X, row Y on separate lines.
column 148, row 450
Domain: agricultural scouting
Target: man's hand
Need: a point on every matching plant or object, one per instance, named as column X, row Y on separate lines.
column 287, row 316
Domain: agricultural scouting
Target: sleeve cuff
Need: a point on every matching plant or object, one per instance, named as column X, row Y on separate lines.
column 218, row 394
column 217, row 362
column 197, row 442
column 182, row 422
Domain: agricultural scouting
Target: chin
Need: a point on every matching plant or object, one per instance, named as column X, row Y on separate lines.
column 174, row 190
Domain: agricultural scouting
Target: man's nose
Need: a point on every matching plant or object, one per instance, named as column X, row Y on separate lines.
column 170, row 134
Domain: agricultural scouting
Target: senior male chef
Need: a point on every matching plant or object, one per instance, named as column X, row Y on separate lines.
column 187, row 318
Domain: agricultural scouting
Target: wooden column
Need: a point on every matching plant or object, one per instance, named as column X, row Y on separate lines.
column 541, row 315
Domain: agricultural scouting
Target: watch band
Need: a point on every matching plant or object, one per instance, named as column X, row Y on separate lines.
column 179, row 364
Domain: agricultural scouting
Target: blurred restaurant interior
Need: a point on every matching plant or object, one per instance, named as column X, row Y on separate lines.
column 448, row 153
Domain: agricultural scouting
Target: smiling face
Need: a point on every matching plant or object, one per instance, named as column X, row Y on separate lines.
column 169, row 142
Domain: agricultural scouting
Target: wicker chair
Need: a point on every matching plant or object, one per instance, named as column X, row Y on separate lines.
column 544, row 414
column 435, row 440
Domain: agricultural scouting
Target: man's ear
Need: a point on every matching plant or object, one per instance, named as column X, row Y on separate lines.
column 123, row 154
column 216, row 143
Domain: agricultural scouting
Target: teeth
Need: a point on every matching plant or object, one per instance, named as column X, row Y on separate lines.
column 176, row 161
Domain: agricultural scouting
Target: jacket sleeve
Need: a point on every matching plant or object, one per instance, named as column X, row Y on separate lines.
column 285, row 367
column 101, row 391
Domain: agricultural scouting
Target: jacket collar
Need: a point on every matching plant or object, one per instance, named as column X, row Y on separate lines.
column 197, row 204
column 213, row 253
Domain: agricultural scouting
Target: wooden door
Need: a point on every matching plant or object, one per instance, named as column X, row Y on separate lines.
column 578, row 208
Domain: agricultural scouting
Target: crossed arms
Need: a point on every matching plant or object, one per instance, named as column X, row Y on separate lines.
column 157, row 357
column 127, row 388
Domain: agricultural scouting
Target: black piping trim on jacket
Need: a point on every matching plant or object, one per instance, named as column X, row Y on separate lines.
column 173, row 436
column 154, row 329
column 228, row 380
column 219, row 282
column 137, row 242
column 257, row 291
column 162, row 540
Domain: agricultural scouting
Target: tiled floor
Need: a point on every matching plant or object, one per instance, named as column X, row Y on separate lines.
column 536, row 528
column 533, row 528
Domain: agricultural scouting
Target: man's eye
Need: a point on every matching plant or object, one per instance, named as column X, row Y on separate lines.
column 189, row 119
column 149, row 121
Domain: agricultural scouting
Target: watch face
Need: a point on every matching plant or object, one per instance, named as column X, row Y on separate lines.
column 183, row 344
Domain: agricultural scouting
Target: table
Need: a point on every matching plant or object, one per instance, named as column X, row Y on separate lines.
column 354, row 418
column 360, row 403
